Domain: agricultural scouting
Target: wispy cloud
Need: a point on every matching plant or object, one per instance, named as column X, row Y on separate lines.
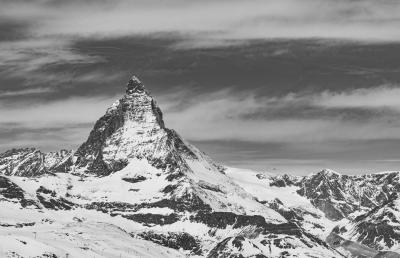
column 216, row 20
column 372, row 98
column 52, row 27
column 54, row 114
column 26, row 58
column 24, row 92
column 225, row 116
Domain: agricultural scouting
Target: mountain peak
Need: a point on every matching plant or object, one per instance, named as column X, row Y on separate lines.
column 134, row 85
column 330, row 172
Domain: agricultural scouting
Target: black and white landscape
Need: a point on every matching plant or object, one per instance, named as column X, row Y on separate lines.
column 135, row 188
column 276, row 130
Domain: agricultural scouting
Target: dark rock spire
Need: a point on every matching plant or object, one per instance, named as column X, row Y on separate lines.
column 134, row 85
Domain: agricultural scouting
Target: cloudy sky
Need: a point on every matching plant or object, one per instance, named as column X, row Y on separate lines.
column 287, row 86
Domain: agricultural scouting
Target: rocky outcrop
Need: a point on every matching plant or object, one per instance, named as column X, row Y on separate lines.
column 338, row 195
column 31, row 162
column 132, row 127
column 378, row 228
column 178, row 241
column 10, row 191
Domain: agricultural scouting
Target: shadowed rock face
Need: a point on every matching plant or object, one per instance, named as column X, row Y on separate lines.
column 134, row 85
column 340, row 195
column 32, row 162
column 50, row 200
column 132, row 127
column 174, row 240
column 380, row 227
column 11, row 191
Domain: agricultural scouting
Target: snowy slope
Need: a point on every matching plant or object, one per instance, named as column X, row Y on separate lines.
column 284, row 199
column 360, row 209
column 78, row 233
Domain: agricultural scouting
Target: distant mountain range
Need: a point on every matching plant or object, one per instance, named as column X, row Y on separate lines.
column 137, row 189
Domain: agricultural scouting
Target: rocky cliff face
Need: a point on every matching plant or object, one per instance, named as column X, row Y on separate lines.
column 338, row 195
column 366, row 206
column 33, row 162
column 132, row 127
column 379, row 228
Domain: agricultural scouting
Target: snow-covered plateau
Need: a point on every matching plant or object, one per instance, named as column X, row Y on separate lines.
column 137, row 189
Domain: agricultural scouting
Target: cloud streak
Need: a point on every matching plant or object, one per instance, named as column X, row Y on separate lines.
column 225, row 115
column 52, row 27
column 214, row 20
column 373, row 98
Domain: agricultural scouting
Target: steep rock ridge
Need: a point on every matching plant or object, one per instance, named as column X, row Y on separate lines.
column 283, row 198
column 132, row 133
column 363, row 207
column 132, row 127
column 338, row 195
column 33, row 162
column 11, row 192
column 378, row 228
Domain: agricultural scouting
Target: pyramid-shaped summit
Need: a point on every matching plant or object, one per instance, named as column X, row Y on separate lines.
column 132, row 127
column 134, row 85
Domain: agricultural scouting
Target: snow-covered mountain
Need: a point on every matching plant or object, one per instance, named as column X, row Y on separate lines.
column 32, row 162
column 136, row 189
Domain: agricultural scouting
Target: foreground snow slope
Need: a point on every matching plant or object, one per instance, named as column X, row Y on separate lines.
column 78, row 233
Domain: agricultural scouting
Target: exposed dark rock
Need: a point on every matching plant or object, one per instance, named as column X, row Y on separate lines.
column 185, row 203
column 223, row 219
column 232, row 247
column 282, row 181
column 174, row 240
column 149, row 219
column 134, row 179
column 134, row 85
column 174, row 176
column 169, row 188
column 31, row 162
column 11, row 191
column 112, row 207
column 237, row 242
column 287, row 213
column 18, row 225
column 50, row 200
column 219, row 248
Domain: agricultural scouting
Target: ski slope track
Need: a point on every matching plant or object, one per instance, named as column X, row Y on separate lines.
column 135, row 188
